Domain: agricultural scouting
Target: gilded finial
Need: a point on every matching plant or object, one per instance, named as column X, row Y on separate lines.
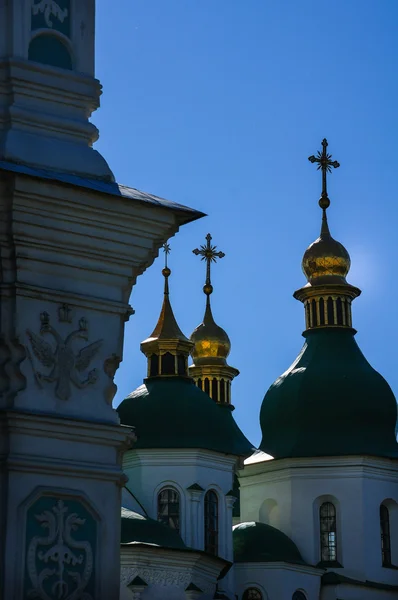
column 166, row 272
column 208, row 253
column 325, row 163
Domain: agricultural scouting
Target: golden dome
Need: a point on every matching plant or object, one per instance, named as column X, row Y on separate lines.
column 326, row 260
column 211, row 342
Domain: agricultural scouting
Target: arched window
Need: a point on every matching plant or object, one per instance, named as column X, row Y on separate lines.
column 154, row 365
column 214, row 389
column 328, row 530
column 50, row 50
column 211, row 522
column 385, row 536
column 181, row 365
column 252, row 594
column 169, row 508
column 299, row 596
column 168, row 364
column 321, row 311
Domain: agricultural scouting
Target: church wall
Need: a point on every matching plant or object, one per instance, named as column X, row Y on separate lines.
column 277, row 581
column 355, row 485
column 151, row 470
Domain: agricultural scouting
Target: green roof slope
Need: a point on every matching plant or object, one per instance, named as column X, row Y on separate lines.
column 330, row 402
column 139, row 529
column 258, row 542
column 174, row 413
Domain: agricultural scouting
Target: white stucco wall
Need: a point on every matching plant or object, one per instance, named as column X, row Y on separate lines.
column 287, row 494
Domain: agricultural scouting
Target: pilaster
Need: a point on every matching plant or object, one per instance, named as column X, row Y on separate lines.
column 69, row 257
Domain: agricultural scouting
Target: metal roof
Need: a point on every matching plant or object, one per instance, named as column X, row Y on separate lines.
column 105, row 187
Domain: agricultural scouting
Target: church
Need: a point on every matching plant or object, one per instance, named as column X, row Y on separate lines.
column 164, row 497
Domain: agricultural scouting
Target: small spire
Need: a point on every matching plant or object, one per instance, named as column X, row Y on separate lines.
column 167, row 348
column 210, row 370
column 327, row 296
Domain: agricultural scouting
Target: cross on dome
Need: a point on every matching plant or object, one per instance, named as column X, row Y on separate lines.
column 208, row 253
column 323, row 159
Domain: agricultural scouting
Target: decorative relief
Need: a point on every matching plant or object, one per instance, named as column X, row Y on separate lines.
column 49, row 8
column 51, row 14
column 157, row 576
column 63, row 362
column 60, row 565
column 163, row 577
column 12, row 353
column 111, row 365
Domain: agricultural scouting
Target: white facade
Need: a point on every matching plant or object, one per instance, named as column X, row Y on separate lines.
column 288, row 493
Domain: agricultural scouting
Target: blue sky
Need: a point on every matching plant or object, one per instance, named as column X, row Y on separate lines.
column 217, row 104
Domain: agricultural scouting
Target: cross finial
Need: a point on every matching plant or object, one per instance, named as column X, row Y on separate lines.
column 208, row 253
column 166, row 250
column 166, row 271
column 325, row 163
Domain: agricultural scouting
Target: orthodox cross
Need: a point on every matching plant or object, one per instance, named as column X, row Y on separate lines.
column 325, row 163
column 166, row 250
column 208, row 253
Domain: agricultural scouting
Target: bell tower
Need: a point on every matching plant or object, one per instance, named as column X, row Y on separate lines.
column 48, row 89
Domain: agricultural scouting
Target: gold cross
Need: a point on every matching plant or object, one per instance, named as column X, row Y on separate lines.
column 325, row 164
column 166, row 250
column 209, row 254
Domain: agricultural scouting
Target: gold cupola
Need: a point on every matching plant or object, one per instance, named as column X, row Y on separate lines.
column 211, row 344
column 167, row 349
column 327, row 296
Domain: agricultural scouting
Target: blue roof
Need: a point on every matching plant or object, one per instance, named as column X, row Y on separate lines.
column 105, row 187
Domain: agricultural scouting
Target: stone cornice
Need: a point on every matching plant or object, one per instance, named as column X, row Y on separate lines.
column 279, row 566
column 178, row 458
column 67, row 429
column 314, row 468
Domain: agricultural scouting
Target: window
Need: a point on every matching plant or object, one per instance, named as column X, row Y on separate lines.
column 252, row 594
column 385, row 536
column 327, row 516
column 299, row 596
column 49, row 50
column 211, row 522
column 169, row 508
column 168, row 364
column 181, row 365
column 154, row 365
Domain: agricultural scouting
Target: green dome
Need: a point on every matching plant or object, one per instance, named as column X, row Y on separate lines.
column 139, row 529
column 258, row 542
column 174, row 413
column 330, row 402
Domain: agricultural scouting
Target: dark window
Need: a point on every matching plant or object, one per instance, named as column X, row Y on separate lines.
column 321, row 312
column 214, row 389
column 49, row 50
column 347, row 313
column 168, row 364
column 314, row 316
column 181, row 364
column 299, row 596
column 199, row 383
column 222, row 391
column 229, row 392
column 307, row 308
column 252, row 594
column 207, row 386
column 327, row 516
column 154, row 365
column 211, row 522
column 339, row 310
column 330, row 311
column 385, row 536
column 169, row 508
